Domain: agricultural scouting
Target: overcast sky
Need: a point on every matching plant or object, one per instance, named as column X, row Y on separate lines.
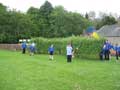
column 81, row 6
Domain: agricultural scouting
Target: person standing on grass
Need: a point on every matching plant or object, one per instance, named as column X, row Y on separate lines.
column 117, row 51
column 107, row 50
column 69, row 52
column 32, row 49
column 51, row 52
column 101, row 54
column 110, row 49
column 24, row 46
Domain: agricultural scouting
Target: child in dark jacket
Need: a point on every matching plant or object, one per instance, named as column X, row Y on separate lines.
column 51, row 52
column 24, row 46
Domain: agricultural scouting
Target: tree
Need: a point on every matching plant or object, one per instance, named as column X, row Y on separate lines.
column 109, row 20
column 44, row 22
column 104, row 19
column 21, row 25
column 2, row 8
column 86, row 16
column 33, row 13
column 64, row 23
column 58, row 22
column 14, row 26
column 46, row 9
column 3, row 22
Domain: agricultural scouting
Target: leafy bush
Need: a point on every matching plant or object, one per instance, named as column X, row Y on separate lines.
column 83, row 47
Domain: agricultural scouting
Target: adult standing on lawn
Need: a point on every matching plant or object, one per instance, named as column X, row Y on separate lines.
column 69, row 52
column 24, row 46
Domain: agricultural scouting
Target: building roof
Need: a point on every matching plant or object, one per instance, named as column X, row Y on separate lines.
column 109, row 31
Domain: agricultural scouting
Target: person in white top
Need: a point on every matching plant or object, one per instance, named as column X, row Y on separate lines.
column 32, row 49
column 33, row 44
column 69, row 52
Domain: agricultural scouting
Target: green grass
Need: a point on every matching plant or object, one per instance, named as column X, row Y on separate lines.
column 24, row 72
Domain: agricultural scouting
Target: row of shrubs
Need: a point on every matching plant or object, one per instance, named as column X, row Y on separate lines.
column 84, row 47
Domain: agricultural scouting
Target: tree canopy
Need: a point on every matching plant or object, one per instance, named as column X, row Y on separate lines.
column 46, row 21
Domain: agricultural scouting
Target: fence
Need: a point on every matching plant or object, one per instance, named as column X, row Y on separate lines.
column 14, row 47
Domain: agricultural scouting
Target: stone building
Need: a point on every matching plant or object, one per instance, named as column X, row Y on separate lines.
column 111, row 32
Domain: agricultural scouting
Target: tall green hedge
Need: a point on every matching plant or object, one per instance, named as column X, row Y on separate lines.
column 83, row 47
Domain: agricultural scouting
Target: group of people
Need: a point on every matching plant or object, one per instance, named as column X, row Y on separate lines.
column 108, row 50
column 105, row 54
column 31, row 47
column 69, row 50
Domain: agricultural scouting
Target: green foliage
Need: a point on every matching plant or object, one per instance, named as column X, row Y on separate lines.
column 46, row 21
column 57, row 22
column 109, row 20
column 33, row 14
column 2, row 8
column 46, row 9
column 43, row 22
column 66, row 24
column 106, row 20
column 83, row 47
column 15, row 26
column 44, row 18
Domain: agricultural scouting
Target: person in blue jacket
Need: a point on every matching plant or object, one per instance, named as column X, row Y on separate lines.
column 107, row 50
column 51, row 52
column 24, row 46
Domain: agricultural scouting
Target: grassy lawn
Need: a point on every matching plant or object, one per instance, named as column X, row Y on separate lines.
column 24, row 72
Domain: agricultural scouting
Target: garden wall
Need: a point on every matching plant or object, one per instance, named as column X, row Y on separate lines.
column 14, row 47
